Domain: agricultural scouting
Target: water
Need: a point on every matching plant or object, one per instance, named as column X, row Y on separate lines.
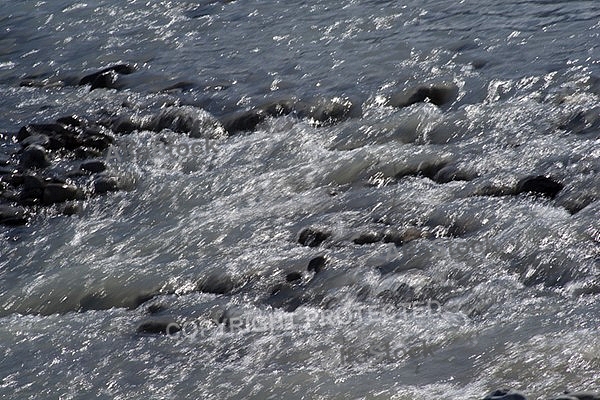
column 497, row 291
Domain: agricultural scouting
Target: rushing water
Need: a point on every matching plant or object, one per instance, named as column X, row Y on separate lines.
column 496, row 290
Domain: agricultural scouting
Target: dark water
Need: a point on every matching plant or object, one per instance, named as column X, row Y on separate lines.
column 495, row 289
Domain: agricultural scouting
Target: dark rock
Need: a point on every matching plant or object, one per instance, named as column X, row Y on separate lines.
column 34, row 156
column 428, row 169
column 107, row 77
column 50, row 130
column 539, row 185
column 93, row 166
column 505, row 395
column 125, row 125
column 451, row 173
column 391, row 236
column 579, row 396
column 86, row 152
column 73, row 120
column 41, row 140
column 293, row 277
column 368, row 238
column 312, row 237
column 320, row 111
column 156, row 308
column 241, row 122
column 32, row 189
column 13, row 216
column 106, row 184
column 316, row 264
column 324, row 112
column 95, row 140
column 71, row 209
column 217, row 283
column 59, row 193
column 102, row 300
column 439, row 95
column 285, row 297
column 161, row 326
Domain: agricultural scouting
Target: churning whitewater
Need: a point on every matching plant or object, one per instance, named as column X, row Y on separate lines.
column 259, row 199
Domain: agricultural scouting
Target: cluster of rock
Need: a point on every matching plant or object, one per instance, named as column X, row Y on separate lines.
column 30, row 178
column 54, row 165
column 505, row 394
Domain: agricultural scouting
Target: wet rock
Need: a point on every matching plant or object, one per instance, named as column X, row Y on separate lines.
column 59, row 193
column 248, row 120
column 34, row 156
column 103, row 300
column 324, row 112
column 105, row 184
column 428, row 168
column 541, row 185
column 86, row 152
column 108, row 77
column 37, row 139
column 160, row 326
column 32, row 188
column 505, row 395
column 439, row 95
column 73, row 120
column 93, row 166
column 49, row 130
column 186, row 119
column 451, row 173
column 578, row 396
column 125, row 125
column 217, row 283
column 285, row 297
column 71, row 209
column 320, row 111
column 313, row 237
column 13, row 216
column 156, row 308
column 368, row 238
column 317, row 264
column 392, row 236
column 241, row 122
column 293, row 277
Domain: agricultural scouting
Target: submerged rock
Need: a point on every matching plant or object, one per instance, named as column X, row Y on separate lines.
column 105, row 184
column 505, row 395
column 34, row 156
column 93, row 166
column 439, row 95
column 161, row 326
column 293, row 277
column 313, row 237
column 319, row 111
column 578, row 396
column 13, row 216
column 317, row 264
column 368, row 238
column 539, row 185
column 248, row 120
column 108, row 77
column 186, row 119
column 217, row 283
column 59, row 193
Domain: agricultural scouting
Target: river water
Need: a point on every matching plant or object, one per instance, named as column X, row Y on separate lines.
column 489, row 288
